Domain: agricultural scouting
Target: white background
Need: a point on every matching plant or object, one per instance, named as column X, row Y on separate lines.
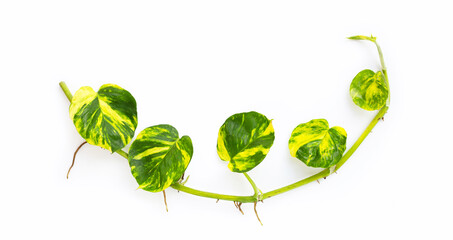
column 192, row 64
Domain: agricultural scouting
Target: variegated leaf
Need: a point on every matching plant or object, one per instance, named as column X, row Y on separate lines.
column 369, row 90
column 244, row 140
column 158, row 157
column 316, row 144
column 107, row 118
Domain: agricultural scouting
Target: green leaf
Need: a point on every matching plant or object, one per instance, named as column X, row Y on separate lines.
column 244, row 140
column 316, row 144
column 158, row 157
column 369, row 90
column 107, row 118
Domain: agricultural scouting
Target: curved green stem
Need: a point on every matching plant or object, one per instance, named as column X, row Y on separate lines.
column 381, row 58
column 326, row 172
column 362, row 137
column 384, row 68
column 243, row 199
column 182, row 188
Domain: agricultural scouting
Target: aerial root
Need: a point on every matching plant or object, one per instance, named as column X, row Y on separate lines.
column 256, row 213
column 217, row 201
column 73, row 159
column 165, row 201
column 239, row 207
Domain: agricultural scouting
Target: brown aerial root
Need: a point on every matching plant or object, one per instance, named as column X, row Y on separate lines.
column 217, row 201
column 165, row 200
column 256, row 213
column 238, row 206
column 73, row 159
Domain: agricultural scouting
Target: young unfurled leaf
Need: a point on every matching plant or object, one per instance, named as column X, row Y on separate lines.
column 244, row 140
column 107, row 118
column 316, row 144
column 361, row 37
column 369, row 90
column 158, row 157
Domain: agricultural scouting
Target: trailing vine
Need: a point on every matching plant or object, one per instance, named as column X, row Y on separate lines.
column 158, row 157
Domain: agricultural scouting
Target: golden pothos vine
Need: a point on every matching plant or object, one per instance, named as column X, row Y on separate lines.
column 158, row 157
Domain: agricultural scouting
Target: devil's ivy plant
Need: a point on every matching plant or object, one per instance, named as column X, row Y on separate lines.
column 158, row 157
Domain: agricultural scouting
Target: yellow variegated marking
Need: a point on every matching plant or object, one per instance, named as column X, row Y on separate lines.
column 107, row 118
column 340, row 130
column 369, row 90
column 316, row 144
column 81, row 98
column 306, row 133
column 244, row 140
column 221, row 149
column 152, row 151
column 158, row 157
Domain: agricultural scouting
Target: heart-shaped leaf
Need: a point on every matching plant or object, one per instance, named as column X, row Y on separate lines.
column 107, row 118
column 316, row 144
column 158, row 157
column 369, row 90
column 244, row 140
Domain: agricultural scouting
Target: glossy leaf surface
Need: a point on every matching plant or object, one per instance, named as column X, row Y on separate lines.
column 317, row 145
column 244, row 140
column 107, row 119
column 158, row 157
column 369, row 90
